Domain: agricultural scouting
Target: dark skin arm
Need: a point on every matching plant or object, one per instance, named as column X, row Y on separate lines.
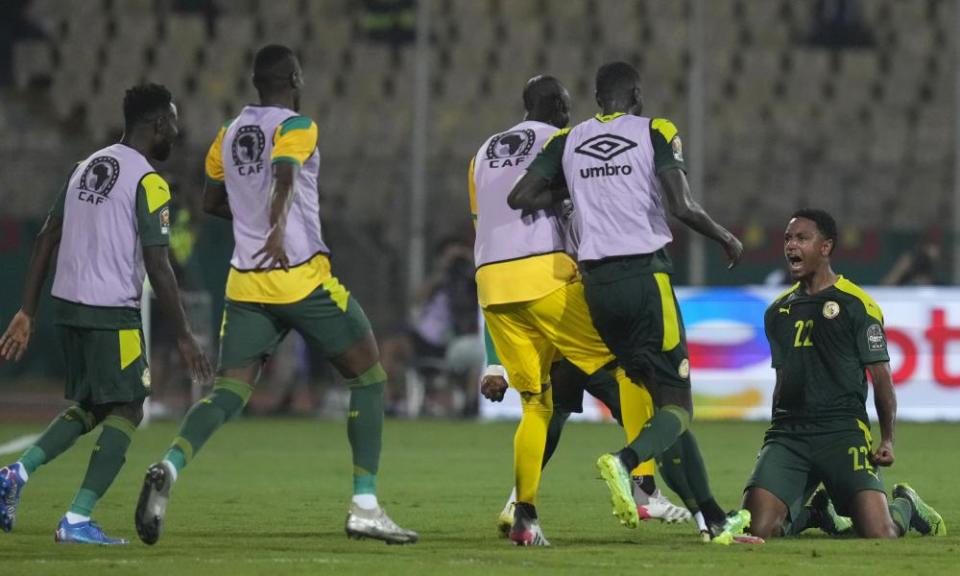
column 533, row 192
column 215, row 200
column 157, row 263
column 14, row 342
column 885, row 400
column 680, row 203
column 273, row 253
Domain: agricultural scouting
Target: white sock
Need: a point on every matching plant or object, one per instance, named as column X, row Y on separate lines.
column 701, row 523
column 172, row 469
column 512, row 498
column 366, row 501
column 22, row 471
column 76, row 518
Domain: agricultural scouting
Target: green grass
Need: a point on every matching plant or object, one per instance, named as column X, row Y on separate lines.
column 270, row 496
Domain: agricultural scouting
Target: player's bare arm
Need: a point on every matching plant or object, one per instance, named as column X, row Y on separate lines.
column 533, row 192
column 680, row 202
column 14, row 342
column 157, row 263
column 215, row 200
column 885, row 400
column 273, row 253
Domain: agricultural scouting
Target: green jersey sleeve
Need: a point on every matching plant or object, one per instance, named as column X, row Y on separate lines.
column 153, row 211
column 667, row 146
column 776, row 353
column 549, row 162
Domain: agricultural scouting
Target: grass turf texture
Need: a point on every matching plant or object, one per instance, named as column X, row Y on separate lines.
column 270, row 497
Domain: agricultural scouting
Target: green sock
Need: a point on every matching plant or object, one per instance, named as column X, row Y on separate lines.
column 554, row 429
column 805, row 519
column 365, row 427
column 227, row 400
column 108, row 457
column 901, row 510
column 62, row 432
column 673, row 473
column 694, row 469
column 657, row 435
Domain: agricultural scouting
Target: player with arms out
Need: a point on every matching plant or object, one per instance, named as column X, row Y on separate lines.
column 111, row 225
column 619, row 168
column 825, row 334
column 262, row 173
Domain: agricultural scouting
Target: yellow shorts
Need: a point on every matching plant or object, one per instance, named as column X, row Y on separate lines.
column 529, row 336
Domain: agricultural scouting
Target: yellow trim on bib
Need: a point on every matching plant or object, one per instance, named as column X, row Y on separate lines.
column 278, row 286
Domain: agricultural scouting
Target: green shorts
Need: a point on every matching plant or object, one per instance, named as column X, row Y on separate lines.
column 796, row 458
column 636, row 314
column 329, row 319
column 104, row 366
column 569, row 384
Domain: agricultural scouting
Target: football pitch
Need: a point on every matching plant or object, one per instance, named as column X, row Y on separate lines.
column 269, row 496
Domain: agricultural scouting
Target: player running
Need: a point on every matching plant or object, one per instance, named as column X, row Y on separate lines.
column 825, row 333
column 619, row 169
column 262, row 173
column 111, row 225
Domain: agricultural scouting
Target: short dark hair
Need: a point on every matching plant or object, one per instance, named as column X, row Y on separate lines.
column 616, row 78
column 266, row 73
column 540, row 89
column 826, row 225
column 144, row 103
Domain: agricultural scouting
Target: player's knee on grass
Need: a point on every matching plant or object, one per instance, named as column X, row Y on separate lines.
column 870, row 513
column 767, row 513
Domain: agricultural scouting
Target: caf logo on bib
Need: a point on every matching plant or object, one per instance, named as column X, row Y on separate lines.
column 100, row 176
column 248, row 145
column 830, row 310
column 511, row 144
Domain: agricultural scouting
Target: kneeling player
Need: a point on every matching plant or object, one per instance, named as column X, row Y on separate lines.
column 824, row 333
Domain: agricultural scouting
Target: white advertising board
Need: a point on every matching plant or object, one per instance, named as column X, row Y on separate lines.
column 730, row 359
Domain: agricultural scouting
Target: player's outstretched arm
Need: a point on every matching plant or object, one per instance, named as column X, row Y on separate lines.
column 533, row 192
column 215, row 200
column 680, row 202
column 885, row 400
column 157, row 262
column 16, row 338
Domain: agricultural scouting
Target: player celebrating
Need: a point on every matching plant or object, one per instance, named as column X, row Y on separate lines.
column 530, row 292
column 619, row 168
column 111, row 224
column 262, row 173
column 824, row 333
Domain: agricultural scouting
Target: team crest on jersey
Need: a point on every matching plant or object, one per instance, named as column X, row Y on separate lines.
column 605, row 147
column 247, row 149
column 830, row 310
column 875, row 339
column 684, row 369
column 145, row 378
column 98, row 179
column 165, row 220
column 510, row 148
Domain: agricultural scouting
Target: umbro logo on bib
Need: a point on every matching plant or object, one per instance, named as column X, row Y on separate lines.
column 605, row 146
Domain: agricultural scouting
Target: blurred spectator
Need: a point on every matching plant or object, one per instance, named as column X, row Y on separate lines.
column 441, row 343
column 14, row 26
column 922, row 266
column 837, row 24
column 390, row 21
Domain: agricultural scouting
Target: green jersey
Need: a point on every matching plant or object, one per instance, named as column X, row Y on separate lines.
column 821, row 344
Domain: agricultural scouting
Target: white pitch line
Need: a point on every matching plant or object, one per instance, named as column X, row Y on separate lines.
column 18, row 444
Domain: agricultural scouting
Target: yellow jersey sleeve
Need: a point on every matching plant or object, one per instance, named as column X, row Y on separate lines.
column 213, row 166
column 295, row 140
column 472, row 188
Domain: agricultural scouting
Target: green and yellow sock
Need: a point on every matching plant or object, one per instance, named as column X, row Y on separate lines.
column 227, row 400
column 365, row 427
column 107, row 458
column 60, row 435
